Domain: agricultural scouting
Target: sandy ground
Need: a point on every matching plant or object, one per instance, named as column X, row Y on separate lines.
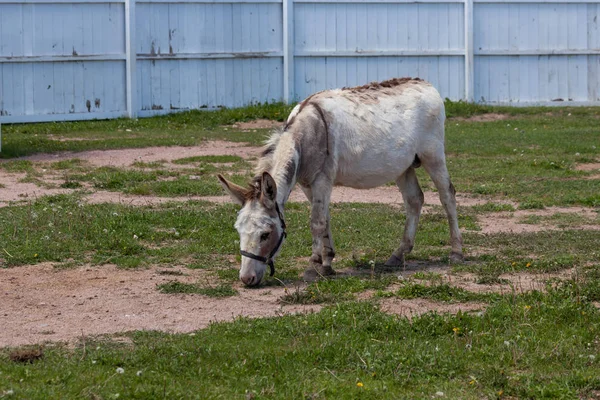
column 41, row 303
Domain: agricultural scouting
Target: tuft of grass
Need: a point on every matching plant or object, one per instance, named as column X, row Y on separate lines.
column 26, row 354
column 170, row 272
column 149, row 165
column 191, row 288
column 208, row 159
column 72, row 164
column 17, row 166
column 491, row 206
column 69, row 184
column 531, row 205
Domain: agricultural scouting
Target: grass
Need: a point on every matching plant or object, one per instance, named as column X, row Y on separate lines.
column 532, row 345
column 561, row 220
column 210, row 291
column 182, row 129
column 208, row 159
column 438, row 292
column 528, row 346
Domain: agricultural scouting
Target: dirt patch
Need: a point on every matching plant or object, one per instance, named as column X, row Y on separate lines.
column 257, row 124
column 410, row 308
column 125, row 157
column 40, row 303
column 508, row 222
column 489, row 117
column 588, row 167
column 520, row 282
column 15, row 191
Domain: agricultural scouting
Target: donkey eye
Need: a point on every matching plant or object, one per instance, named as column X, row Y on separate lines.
column 264, row 236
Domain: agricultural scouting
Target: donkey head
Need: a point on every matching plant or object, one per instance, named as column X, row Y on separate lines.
column 260, row 225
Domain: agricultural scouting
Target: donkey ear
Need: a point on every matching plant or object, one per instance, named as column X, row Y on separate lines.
column 268, row 190
column 237, row 193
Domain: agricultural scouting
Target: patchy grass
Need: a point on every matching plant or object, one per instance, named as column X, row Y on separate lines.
column 533, row 345
column 181, row 129
column 438, row 292
column 211, row 291
column 335, row 290
column 491, row 206
column 527, row 346
column 208, row 159
column 149, row 165
column 561, row 220
column 18, row 166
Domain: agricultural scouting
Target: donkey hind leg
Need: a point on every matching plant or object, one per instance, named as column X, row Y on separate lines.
column 436, row 168
column 322, row 243
column 413, row 202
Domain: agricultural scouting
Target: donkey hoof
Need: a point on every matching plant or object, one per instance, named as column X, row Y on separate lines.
column 317, row 271
column 326, row 270
column 456, row 258
column 395, row 261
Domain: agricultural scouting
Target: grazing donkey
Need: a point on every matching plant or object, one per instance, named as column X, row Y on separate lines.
column 360, row 137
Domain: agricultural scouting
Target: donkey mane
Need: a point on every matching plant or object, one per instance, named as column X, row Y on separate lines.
column 265, row 163
column 390, row 83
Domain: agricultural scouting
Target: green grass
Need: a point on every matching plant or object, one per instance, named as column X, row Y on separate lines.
column 533, row 165
column 17, row 166
column 211, row 291
column 534, row 345
column 561, row 220
column 62, row 228
column 528, row 346
column 182, row 129
column 335, row 290
column 439, row 292
column 208, row 159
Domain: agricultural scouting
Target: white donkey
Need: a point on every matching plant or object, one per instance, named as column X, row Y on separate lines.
column 360, row 137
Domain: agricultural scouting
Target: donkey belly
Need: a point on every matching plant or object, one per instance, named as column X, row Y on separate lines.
column 373, row 168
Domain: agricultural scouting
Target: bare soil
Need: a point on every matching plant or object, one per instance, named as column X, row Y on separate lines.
column 125, row 157
column 40, row 303
column 588, row 167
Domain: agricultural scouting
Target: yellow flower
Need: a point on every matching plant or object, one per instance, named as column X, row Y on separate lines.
column 35, row 255
column 456, row 330
column 513, row 264
column 528, row 265
column 501, row 392
column 359, row 384
column 527, row 307
column 472, row 382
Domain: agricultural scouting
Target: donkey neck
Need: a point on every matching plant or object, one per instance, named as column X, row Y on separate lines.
column 284, row 166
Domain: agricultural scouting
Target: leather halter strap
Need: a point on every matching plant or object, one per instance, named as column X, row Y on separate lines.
column 269, row 260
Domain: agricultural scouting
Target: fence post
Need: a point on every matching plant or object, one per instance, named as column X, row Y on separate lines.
column 469, row 74
column 131, row 55
column 288, row 51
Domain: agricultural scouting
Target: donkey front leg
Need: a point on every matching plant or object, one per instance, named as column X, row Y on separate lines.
column 413, row 202
column 322, row 242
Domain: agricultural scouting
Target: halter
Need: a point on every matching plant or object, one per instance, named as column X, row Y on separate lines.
column 269, row 260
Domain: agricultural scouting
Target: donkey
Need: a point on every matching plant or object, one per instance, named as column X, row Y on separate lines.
column 360, row 137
